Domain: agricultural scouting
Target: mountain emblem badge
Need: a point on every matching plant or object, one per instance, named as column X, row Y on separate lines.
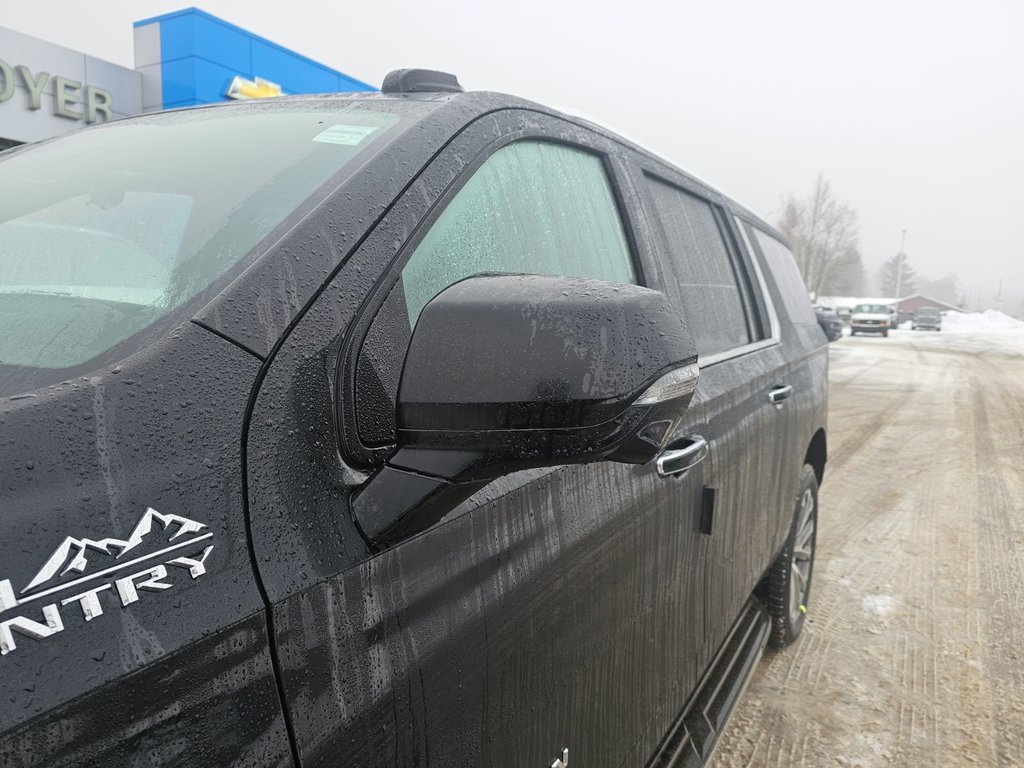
column 100, row 564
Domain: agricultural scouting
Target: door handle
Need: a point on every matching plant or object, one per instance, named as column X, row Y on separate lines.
column 776, row 395
column 682, row 455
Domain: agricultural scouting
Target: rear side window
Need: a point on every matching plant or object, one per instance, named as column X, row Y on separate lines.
column 532, row 207
column 780, row 262
column 701, row 275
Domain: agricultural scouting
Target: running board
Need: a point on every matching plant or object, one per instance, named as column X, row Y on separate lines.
column 692, row 739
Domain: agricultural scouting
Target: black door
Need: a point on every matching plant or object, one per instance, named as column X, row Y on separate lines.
column 713, row 282
column 559, row 608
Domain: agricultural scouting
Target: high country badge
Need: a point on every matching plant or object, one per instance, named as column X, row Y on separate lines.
column 179, row 549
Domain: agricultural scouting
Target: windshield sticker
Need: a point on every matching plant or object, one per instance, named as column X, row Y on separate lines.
column 102, row 559
column 349, row 135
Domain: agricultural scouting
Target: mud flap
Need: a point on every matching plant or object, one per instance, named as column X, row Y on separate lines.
column 692, row 738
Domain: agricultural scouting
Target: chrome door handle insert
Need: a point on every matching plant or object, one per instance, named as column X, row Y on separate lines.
column 777, row 394
column 676, row 461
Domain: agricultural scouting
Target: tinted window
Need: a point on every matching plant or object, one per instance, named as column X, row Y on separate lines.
column 702, row 276
column 532, row 207
column 105, row 231
column 782, row 266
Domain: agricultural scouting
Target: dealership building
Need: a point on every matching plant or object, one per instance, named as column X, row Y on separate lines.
column 182, row 59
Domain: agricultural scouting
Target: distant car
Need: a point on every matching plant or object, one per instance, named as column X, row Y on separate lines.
column 927, row 318
column 830, row 323
column 871, row 318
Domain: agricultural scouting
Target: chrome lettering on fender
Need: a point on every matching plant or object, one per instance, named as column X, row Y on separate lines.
column 72, row 556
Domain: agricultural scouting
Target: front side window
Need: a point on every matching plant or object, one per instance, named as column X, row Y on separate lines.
column 104, row 232
column 533, row 207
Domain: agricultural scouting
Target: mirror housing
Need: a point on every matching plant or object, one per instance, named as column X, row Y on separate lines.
column 511, row 372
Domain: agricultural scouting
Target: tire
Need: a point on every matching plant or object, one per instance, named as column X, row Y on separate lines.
column 853, row 332
column 885, row 334
column 788, row 584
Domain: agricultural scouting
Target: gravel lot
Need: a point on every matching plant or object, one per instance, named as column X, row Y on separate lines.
column 913, row 654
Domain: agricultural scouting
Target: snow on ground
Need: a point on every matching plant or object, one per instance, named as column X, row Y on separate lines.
column 878, row 605
column 990, row 333
column 989, row 321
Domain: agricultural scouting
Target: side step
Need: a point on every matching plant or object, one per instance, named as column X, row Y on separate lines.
column 692, row 738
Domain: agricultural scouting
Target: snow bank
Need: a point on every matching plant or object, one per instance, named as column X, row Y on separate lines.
column 989, row 321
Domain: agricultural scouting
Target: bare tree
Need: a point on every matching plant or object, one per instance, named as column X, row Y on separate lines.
column 822, row 231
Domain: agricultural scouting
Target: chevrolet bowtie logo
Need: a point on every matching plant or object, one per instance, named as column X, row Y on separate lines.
column 258, row 88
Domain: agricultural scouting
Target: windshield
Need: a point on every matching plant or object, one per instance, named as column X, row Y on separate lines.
column 927, row 312
column 871, row 309
column 106, row 231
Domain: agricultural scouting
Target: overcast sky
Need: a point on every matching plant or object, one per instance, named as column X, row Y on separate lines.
column 913, row 109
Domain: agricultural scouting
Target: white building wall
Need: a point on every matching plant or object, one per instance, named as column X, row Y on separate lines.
column 20, row 122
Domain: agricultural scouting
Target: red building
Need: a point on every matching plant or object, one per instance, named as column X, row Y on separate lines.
column 911, row 304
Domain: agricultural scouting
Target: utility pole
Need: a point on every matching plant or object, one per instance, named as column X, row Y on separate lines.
column 899, row 274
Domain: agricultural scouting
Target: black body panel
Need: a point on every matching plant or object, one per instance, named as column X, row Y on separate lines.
column 85, row 459
column 215, row 702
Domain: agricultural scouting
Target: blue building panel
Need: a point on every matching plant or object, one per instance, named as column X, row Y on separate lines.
column 348, row 84
column 191, row 81
column 179, row 83
column 200, row 55
column 295, row 74
column 204, row 37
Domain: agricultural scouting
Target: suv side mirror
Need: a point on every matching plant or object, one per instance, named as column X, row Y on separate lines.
column 510, row 372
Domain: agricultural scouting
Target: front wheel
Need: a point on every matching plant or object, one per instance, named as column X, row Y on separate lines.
column 885, row 334
column 788, row 584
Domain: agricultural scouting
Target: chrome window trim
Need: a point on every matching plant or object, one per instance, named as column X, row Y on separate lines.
column 729, row 354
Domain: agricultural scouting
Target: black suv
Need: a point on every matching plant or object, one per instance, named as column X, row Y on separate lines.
column 368, row 431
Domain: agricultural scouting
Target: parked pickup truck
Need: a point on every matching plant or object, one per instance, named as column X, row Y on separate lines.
column 373, row 430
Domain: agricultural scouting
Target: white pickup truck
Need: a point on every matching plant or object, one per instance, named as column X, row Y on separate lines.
column 872, row 318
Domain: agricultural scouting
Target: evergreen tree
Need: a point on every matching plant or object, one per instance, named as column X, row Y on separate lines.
column 887, row 277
